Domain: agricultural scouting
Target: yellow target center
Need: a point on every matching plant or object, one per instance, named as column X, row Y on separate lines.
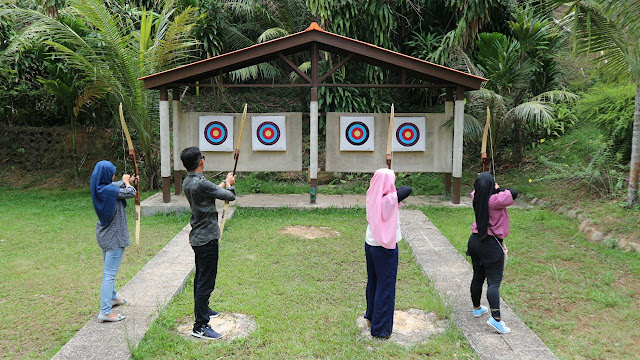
column 407, row 134
column 268, row 133
column 357, row 133
column 216, row 132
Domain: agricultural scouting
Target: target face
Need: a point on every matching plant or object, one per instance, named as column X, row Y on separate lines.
column 407, row 134
column 410, row 133
column 269, row 133
column 216, row 133
column 357, row 133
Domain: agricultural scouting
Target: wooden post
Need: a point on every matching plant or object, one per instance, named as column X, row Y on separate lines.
column 313, row 126
column 458, row 128
column 177, row 113
column 448, row 110
column 165, row 146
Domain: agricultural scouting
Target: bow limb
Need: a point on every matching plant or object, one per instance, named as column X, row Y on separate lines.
column 390, row 137
column 485, row 134
column 132, row 156
column 236, row 156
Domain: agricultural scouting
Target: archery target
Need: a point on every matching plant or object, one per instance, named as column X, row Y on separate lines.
column 269, row 133
column 409, row 134
column 216, row 133
column 357, row 133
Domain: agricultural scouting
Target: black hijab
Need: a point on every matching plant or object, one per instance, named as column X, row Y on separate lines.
column 484, row 187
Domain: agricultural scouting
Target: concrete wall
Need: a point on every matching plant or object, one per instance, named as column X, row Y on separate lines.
column 290, row 160
column 436, row 158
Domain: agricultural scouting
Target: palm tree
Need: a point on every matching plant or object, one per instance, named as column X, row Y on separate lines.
column 115, row 54
column 610, row 28
column 514, row 93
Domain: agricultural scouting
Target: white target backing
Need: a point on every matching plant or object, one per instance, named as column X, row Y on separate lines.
column 216, row 133
column 269, row 133
column 409, row 134
column 357, row 133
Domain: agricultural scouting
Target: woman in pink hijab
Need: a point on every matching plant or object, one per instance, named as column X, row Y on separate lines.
column 383, row 232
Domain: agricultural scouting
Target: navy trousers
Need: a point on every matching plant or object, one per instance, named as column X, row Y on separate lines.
column 382, row 270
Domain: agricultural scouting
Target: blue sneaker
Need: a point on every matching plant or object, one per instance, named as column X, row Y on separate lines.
column 213, row 314
column 498, row 326
column 480, row 312
column 206, row 332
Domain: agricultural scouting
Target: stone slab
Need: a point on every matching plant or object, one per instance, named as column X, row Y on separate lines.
column 451, row 275
column 148, row 293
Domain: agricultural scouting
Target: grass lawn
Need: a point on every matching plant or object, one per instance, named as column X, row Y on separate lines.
column 581, row 298
column 305, row 295
column 51, row 266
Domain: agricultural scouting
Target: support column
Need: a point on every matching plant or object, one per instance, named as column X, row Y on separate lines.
column 177, row 113
column 448, row 111
column 313, row 147
column 458, row 128
column 165, row 146
column 313, row 125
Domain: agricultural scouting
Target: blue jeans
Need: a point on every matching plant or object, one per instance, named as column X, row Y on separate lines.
column 112, row 259
column 382, row 270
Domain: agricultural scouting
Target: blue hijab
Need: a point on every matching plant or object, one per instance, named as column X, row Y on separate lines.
column 103, row 193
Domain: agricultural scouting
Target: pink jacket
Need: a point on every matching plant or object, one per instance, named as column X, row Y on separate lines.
column 498, row 216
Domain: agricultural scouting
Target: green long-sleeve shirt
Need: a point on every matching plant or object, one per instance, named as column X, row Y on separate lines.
column 202, row 195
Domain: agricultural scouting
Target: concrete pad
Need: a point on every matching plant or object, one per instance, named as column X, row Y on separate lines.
column 451, row 276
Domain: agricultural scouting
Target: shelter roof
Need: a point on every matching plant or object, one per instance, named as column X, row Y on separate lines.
column 303, row 41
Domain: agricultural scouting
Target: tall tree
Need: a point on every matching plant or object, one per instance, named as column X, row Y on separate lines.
column 115, row 54
column 610, row 29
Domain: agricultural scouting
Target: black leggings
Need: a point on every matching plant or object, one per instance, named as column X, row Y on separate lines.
column 487, row 258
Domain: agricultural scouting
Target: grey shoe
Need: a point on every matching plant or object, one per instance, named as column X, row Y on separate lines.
column 123, row 301
column 104, row 318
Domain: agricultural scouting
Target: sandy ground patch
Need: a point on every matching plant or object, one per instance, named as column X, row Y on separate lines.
column 309, row 232
column 230, row 325
column 409, row 327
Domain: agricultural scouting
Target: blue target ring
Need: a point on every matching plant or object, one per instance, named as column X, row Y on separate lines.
column 268, row 133
column 215, row 133
column 357, row 133
column 407, row 134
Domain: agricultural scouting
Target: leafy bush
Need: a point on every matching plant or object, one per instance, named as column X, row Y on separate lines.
column 610, row 107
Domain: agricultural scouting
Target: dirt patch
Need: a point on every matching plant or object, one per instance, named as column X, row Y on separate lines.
column 409, row 327
column 309, row 232
column 230, row 325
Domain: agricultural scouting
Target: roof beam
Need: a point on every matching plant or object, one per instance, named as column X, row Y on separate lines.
column 294, row 67
column 333, row 69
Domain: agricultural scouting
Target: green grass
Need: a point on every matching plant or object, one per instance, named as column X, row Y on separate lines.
column 581, row 298
column 305, row 295
column 294, row 183
column 51, row 266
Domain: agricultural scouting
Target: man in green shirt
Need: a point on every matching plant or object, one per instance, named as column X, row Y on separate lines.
column 204, row 235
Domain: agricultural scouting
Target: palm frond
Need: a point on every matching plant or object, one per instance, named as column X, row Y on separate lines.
column 272, row 33
column 537, row 113
column 556, row 96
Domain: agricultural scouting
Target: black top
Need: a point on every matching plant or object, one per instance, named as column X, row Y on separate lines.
column 403, row 192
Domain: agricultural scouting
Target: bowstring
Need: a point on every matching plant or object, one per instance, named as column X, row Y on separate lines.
column 124, row 161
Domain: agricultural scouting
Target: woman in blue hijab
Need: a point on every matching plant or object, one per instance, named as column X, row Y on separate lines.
column 112, row 234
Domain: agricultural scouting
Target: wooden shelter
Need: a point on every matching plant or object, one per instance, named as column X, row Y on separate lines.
column 312, row 40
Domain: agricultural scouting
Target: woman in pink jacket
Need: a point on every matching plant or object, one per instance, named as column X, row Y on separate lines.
column 486, row 246
column 381, row 251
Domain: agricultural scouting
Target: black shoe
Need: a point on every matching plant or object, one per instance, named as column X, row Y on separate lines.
column 206, row 332
column 213, row 314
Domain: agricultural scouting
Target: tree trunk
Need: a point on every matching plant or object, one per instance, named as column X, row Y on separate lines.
column 632, row 193
column 75, row 148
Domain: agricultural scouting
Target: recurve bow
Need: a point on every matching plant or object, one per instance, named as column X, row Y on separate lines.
column 483, row 149
column 390, row 138
column 236, row 155
column 132, row 156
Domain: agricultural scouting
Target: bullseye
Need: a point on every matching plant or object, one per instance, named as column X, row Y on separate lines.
column 357, row 133
column 215, row 133
column 407, row 134
column 268, row 133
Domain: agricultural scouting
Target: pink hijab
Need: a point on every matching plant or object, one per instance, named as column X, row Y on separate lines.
column 382, row 208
